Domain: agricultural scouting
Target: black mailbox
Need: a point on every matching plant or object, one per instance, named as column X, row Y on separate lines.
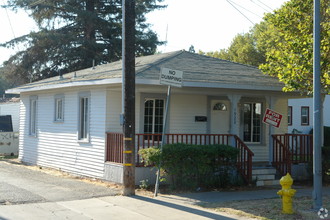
column 200, row 118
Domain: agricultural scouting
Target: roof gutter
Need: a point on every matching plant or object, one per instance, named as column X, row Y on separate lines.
column 32, row 88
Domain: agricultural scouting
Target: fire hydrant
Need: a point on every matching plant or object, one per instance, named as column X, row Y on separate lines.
column 286, row 193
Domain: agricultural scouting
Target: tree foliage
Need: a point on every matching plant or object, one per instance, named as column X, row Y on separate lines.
column 289, row 54
column 243, row 49
column 282, row 46
column 74, row 34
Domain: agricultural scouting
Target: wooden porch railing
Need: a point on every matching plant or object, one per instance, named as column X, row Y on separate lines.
column 142, row 141
column 114, row 147
column 289, row 149
column 244, row 160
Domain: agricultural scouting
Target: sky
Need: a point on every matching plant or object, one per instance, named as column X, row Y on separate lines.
column 208, row 25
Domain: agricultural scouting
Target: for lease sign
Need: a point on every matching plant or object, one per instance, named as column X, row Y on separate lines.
column 272, row 118
column 171, row 77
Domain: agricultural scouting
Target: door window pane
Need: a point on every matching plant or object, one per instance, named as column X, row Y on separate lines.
column 153, row 116
column 252, row 122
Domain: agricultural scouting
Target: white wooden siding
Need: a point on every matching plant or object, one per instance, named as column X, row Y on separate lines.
column 281, row 106
column 56, row 144
column 113, row 111
column 183, row 109
column 13, row 110
column 296, row 113
column 261, row 152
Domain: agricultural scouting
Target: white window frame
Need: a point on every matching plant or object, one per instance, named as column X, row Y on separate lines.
column 252, row 126
column 84, row 116
column 153, row 115
column 290, row 109
column 304, row 117
column 59, row 108
column 33, row 116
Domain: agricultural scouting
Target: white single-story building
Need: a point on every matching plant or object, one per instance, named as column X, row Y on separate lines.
column 11, row 107
column 71, row 122
column 9, row 115
column 301, row 114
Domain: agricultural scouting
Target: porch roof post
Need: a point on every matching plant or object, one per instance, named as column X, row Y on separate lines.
column 271, row 104
column 234, row 116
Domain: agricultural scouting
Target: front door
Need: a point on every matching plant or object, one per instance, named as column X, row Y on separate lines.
column 220, row 116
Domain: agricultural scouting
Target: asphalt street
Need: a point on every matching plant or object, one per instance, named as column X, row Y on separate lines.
column 19, row 185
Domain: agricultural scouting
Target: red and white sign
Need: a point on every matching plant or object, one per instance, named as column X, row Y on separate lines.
column 272, row 118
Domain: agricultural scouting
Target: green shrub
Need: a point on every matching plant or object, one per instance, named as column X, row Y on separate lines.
column 150, row 156
column 326, row 136
column 326, row 164
column 193, row 166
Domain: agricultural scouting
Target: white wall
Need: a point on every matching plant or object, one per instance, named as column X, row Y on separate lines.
column 11, row 108
column 56, row 144
column 183, row 109
column 296, row 113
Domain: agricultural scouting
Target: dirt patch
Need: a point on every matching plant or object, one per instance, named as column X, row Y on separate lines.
column 60, row 173
column 270, row 209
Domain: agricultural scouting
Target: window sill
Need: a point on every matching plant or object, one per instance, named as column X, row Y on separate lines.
column 84, row 141
column 58, row 122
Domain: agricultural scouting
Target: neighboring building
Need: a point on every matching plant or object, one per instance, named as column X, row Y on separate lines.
column 11, row 107
column 300, row 114
column 65, row 120
column 9, row 126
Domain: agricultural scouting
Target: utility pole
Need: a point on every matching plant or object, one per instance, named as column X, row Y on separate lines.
column 128, row 90
column 317, row 134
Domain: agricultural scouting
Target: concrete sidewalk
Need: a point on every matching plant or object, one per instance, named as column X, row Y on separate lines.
column 183, row 206
column 226, row 196
column 110, row 207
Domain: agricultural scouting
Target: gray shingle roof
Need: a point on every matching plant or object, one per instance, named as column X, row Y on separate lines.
column 197, row 69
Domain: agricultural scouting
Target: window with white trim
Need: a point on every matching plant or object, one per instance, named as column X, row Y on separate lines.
column 304, row 115
column 59, row 108
column 153, row 116
column 252, row 122
column 83, row 128
column 33, row 116
column 290, row 115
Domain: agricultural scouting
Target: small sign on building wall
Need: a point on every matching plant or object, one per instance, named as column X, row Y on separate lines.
column 272, row 118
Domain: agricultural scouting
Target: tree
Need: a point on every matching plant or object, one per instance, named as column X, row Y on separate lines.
column 75, row 34
column 3, row 82
column 289, row 52
column 243, row 49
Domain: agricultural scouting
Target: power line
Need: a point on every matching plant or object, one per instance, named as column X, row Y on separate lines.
column 260, row 6
column 245, row 9
column 240, row 12
column 271, row 9
column 11, row 26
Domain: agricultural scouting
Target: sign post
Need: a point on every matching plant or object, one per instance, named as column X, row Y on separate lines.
column 170, row 78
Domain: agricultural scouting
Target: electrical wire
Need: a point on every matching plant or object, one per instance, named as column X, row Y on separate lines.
column 10, row 24
column 240, row 12
column 245, row 9
column 271, row 9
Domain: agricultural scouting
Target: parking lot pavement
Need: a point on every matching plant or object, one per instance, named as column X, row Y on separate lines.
column 18, row 185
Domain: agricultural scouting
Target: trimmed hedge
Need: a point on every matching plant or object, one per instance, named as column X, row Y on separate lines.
column 326, row 164
column 193, row 166
column 326, row 136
